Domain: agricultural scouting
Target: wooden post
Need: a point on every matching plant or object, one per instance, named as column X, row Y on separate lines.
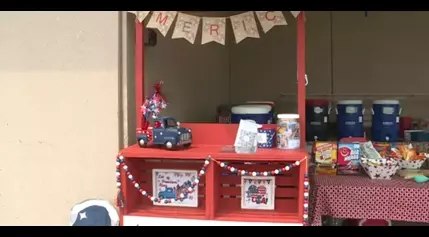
column 300, row 58
column 139, row 71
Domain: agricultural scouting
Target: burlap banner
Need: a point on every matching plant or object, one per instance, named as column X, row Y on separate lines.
column 213, row 28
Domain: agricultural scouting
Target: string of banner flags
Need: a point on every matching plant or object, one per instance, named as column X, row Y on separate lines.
column 213, row 28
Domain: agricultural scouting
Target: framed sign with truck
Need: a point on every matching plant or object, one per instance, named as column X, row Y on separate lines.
column 173, row 185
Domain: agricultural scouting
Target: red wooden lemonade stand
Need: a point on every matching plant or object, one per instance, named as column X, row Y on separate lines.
column 218, row 194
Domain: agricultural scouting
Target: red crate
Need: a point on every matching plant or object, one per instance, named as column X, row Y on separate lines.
column 139, row 205
column 228, row 194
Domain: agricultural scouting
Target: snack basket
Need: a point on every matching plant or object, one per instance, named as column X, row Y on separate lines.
column 380, row 168
column 410, row 164
column 410, row 156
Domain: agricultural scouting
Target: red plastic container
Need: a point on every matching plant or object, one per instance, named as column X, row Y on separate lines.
column 405, row 123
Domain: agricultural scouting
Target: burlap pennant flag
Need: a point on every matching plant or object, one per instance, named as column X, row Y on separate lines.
column 213, row 30
column 269, row 19
column 186, row 27
column 162, row 20
column 141, row 15
column 295, row 13
column 244, row 25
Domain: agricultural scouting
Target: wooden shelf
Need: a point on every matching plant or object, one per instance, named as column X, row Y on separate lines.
column 170, row 212
column 222, row 215
column 257, row 216
column 215, row 151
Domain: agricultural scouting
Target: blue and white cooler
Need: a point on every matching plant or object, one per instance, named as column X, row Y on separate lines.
column 350, row 118
column 261, row 114
column 270, row 103
column 385, row 120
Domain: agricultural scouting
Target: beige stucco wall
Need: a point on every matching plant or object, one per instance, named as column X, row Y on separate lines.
column 59, row 113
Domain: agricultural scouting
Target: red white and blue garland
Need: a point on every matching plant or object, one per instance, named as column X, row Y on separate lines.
column 306, row 197
column 120, row 161
column 274, row 172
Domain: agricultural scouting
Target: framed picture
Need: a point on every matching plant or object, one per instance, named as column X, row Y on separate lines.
column 257, row 192
column 170, row 184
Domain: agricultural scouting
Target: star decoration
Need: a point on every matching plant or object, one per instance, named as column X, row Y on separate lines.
column 82, row 215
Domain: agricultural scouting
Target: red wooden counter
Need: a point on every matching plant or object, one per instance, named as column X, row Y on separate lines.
column 219, row 193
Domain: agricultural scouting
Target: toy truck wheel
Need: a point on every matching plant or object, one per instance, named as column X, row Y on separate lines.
column 161, row 197
column 169, row 145
column 187, row 145
column 142, row 143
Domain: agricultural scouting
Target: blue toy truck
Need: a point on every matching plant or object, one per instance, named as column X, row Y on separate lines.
column 173, row 193
column 169, row 193
column 166, row 132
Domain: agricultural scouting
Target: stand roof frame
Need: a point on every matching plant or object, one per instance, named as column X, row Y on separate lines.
column 300, row 57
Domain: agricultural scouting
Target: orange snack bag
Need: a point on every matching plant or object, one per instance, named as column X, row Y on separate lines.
column 383, row 148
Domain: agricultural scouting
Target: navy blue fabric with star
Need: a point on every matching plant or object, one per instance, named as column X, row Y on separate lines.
column 93, row 216
column 270, row 135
